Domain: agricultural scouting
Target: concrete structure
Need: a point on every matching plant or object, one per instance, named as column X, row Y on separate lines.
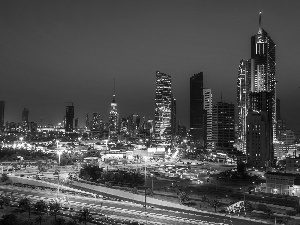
column 283, row 183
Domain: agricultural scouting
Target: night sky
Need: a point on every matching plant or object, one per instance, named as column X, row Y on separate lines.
column 54, row 52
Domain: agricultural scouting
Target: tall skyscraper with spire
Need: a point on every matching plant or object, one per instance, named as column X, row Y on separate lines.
column 255, row 81
column 263, row 67
column 113, row 119
column 163, row 109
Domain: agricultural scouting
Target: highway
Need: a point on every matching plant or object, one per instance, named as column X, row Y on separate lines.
column 125, row 210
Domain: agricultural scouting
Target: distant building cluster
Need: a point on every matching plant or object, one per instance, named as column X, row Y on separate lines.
column 259, row 135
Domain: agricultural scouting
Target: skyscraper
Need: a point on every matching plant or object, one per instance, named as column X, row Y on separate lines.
column 173, row 117
column 2, row 106
column 256, row 100
column 208, row 108
column 25, row 116
column 223, row 127
column 243, row 102
column 197, row 112
column 76, row 123
column 87, row 121
column 259, row 145
column 263, row 68
column 97, row 122
column 113, row 120
column 163, row 109
column 69, row 118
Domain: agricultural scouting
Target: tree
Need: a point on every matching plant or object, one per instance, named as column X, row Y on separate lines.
column 291, row 213
column 40, row 207
column 297, row 208
column 84, row 215
column 215, row 204
column 264, row 208
column 182, row 196
column 59, row 221
column 294, row 222
column 4, row 201
column 71, row 222
column 4, row 177
column 204, row 198
column 248, row 206
column 25, row 204
column 9, row 219
column 241, row 168
column 54, row 208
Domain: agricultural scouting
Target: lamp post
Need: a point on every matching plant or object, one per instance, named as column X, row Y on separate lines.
column 58, row 152
column 145, row 190
column 152, row 181
column 57, row 173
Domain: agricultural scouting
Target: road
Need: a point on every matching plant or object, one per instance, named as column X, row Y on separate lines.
column 127, row 210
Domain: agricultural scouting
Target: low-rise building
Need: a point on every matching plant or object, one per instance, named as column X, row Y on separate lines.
column 283, row 183
column 292, row 165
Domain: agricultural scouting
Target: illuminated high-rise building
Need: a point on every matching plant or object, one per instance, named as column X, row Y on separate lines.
column 113, row 120
column 134, row 122
column 197, row 112
column 259, row 147
column 260, row 123
column 97, row 122
column 208, row 108
column 25, row 116
column 223, row 126
column 174, row 127
column 69, row 118
column 256, row 94
column 263, row 68
column 2, row 106
column 163, row 109
column 243, row 102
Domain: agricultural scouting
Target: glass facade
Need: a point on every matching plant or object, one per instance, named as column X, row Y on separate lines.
column 163, row 109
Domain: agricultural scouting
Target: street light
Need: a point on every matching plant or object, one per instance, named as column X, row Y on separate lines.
column 58, row 153
column 152, row 180
column 57, row 173
column 145, row 189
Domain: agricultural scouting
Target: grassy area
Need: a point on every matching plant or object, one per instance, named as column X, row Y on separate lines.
column 23, row 216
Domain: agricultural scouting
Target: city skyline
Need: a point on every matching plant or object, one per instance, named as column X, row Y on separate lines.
column 59, row 52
